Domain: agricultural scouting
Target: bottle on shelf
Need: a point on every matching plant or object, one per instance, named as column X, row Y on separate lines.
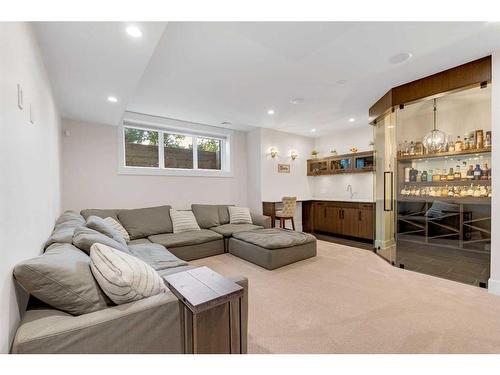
column 413, row 175
column 407, row 174
column 419, row 177
column 470, row 172
column 424, row 176
column 477, row 172
column 436, row 176
column 405, row 148
column 466, row 143
column 487, row 139
column 451, row 145
column 458, row 175
column 479, row 139
column 412, row 149
column 450, row 176
column 419, row 148
column 486, row 172
column 458, row 144
column 442, row 176
column 463, row 171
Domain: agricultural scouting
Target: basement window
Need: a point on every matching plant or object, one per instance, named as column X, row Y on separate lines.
column 155, row 150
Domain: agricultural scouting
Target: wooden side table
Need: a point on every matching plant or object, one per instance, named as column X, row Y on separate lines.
column 212, row 325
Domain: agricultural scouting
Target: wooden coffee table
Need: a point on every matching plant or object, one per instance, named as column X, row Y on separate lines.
column 211, row 311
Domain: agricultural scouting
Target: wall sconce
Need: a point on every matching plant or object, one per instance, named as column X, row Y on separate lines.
column 294, row 155
column 273, row 152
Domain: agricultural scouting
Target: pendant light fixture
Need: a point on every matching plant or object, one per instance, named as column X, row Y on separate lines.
column 436, row 139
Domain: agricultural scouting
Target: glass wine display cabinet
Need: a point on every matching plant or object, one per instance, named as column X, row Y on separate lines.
column 434, row 195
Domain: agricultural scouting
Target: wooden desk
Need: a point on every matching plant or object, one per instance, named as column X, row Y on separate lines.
column 207, row 309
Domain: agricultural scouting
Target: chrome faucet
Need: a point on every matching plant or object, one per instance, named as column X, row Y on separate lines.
column 349, row 189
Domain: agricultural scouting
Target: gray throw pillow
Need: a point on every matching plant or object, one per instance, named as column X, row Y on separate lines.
column 84, row 238
column 144, row 222
column 102, row 226
column 62, row 278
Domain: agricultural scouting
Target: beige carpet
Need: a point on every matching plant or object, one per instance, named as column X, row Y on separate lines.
column 348, row 300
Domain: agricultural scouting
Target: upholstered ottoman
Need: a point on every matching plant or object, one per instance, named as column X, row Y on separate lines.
column 272, row 248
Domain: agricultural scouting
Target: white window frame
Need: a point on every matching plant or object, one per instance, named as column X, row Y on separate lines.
column 190, row 129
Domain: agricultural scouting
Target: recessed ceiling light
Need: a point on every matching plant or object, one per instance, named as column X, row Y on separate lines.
column 342, row 81
column 134, row 31
column 313, row 130
column 270, row 111
column 112, row 99
column 400, row 58
column 297, row 100
column 352, row 119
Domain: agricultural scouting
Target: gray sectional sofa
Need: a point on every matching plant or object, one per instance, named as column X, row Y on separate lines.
column 71, row 314
column 83, row 319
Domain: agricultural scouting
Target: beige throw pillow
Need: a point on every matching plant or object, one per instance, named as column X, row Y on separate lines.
column 183, row 221
column 123, row 277
column 239, row 215
column 119, row 227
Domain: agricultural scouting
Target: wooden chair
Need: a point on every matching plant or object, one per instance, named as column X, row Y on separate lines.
column 288, row 211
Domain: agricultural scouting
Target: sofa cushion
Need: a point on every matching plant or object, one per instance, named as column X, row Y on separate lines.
column 119, row 227
column 239, row 215
column 102, row 226
column 84, row 238
column 185, row 238
column 139, row 241
column 207, row 215
column 123, row 277
column 144, row 222
column 275, row 238
column 62, row 233
column 227, row 230
column 61, row 277
column 102, row 213
column 156, row 256
column 70, row 217
column 183, row 221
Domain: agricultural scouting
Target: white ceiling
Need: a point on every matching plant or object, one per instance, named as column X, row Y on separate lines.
column 211, row 72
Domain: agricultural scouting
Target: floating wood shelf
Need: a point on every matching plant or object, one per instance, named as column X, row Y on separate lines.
column 445, row 154
column 359, row 162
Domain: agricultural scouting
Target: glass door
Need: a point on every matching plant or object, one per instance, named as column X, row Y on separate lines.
column 384, row 186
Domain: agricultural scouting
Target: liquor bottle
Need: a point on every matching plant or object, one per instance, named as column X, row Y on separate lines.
column 470, row 172
column 442, row 176
column 458, row 144
column 486, row 172
column 479, row 139
column 419, row 177
column 412, row 148
column 413, row 175
column 407, row 174
column 463, row 171
column 470, row 191
column 466, row 143
column 477, row 192
column 477, row 172
column 436, row 176
column 444, row 191
column 458, row 175
column 472, row 140
column 450, row 176
column 424, row 176
column 451, row 145
column 419, row 148
column 405, row 148
column 487, row 140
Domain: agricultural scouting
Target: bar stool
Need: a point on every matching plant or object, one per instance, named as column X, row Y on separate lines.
column 288, row 211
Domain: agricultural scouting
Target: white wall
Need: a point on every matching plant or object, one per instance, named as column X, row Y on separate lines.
column 29, row 163
column 335, row 187
column 254, row 169
column 494, row 282
column 90, row 178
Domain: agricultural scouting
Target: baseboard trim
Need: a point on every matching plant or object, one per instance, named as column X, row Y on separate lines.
column 494, row 286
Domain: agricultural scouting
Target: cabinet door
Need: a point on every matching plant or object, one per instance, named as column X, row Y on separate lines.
column 350, row 222
column 334, row 217
column 365, row 217
column 320, row 221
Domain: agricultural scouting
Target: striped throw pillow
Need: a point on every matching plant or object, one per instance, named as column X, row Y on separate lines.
column 183, row 221
column 239, row 215
column 123, row 277
column 119, row 227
